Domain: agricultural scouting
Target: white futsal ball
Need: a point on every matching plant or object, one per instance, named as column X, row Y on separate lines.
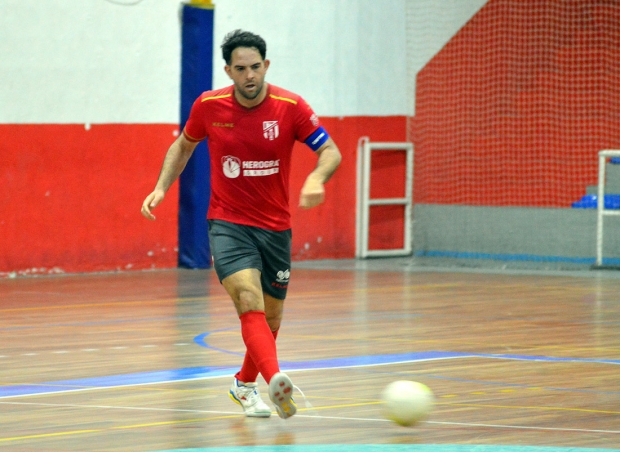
column 407, row 402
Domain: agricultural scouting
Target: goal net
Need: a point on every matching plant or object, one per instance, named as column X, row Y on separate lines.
column 514, row 108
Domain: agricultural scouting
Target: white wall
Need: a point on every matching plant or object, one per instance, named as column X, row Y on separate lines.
column 82, row 61
column 345, row 57
column 93, row 61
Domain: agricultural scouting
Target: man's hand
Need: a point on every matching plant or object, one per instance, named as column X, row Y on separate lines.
column 312, row 193
column 152, row 201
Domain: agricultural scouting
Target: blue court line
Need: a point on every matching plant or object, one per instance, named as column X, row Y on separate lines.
column 197, row 373
column 200, row 340
column 516, row 257
column 393, row 448
column 378, row 360
column 114, row 381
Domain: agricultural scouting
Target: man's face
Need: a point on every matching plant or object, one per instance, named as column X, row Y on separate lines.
column 247, row 70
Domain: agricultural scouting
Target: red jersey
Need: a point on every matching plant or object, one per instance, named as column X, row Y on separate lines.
column 250, row 151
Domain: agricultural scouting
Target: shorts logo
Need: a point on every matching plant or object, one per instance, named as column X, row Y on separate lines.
column 314, row 119
column 283, row 276
column 231, row 166
column 271, row 130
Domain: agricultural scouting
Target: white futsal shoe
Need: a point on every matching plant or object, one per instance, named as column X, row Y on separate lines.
column 281, row 394
column 246, row 395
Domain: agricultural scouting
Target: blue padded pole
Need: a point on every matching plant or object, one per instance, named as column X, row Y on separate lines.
column 194, row 183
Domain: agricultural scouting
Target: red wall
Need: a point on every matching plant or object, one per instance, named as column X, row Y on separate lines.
column 328, row 231
column 71, row 199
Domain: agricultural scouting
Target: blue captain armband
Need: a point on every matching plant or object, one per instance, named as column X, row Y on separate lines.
column 317, row 139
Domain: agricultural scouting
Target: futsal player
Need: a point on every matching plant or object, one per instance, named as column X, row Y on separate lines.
column 251, row 127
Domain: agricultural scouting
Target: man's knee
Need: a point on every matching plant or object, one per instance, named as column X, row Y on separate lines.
column 273, row 311
column 274, row 322
column 244, row 289
column 249, row 300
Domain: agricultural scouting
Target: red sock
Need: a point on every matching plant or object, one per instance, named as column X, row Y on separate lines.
column 260, row 344
column 249, row 371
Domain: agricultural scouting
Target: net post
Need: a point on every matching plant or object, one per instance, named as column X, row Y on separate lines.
column 358, row 198
column 600, row 205
column 601, row 211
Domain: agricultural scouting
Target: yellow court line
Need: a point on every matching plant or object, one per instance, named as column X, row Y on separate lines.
column 225, row 297
column 344, row 405
column 540, row 408
column 389, row 340
column 220, row 297
column 460, row 343
column 159, row 424
column 584, row 410
column 118, row 304
column 322, row 408
column 122, row 427
column 293, row 295
column 375, row 289
column 543, row 408
column 49, row 435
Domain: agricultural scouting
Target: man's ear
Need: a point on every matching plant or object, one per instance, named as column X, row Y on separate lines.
column 227, row 70
column 266, row 63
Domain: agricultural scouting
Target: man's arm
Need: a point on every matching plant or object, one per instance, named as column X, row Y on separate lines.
column 176, row 158
column 313, row 191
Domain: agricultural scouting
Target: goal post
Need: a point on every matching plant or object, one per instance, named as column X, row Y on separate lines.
column 602, row 212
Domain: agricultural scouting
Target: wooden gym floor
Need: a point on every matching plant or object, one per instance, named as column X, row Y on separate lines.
column 142, row 361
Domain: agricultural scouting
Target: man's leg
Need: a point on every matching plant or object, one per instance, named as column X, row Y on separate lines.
column 273, row 313
column 250, row 307
column 244, row 287
column 240, row 254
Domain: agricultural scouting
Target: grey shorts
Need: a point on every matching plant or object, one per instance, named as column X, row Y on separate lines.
column 236, row 247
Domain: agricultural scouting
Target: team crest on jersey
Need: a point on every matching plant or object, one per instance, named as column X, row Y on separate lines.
column 231, row 166
column 271, row 130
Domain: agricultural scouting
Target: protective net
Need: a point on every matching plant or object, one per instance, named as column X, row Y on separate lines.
column 513, row 110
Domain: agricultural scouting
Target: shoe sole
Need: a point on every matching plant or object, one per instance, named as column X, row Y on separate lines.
column 281, row 394
column 238, row 402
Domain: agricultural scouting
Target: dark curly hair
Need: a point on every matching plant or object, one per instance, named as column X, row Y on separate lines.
column 240, row 38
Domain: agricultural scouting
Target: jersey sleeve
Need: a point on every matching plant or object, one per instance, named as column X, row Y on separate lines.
column 194, row 129
column 306, row 121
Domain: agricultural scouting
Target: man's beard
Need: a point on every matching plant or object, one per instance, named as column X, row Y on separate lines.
column 251, row 96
